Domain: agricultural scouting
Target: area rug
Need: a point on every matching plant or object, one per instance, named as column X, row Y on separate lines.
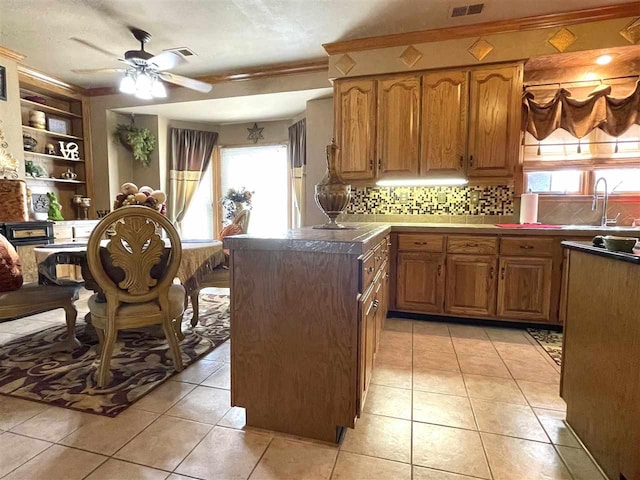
column 141, row 361
column 551, row 342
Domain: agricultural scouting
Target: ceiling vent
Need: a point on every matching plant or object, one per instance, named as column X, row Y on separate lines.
column 184, row 52
column 466, row 10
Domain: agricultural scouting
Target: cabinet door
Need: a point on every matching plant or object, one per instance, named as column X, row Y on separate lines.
column 445, row 100
column 471, row 285
column 494, row 122
column 398, row 127
column 355, row 128
column 524, row 288
column 420, row 282
column 366, row 344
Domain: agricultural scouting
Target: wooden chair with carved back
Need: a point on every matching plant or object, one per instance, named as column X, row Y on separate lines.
column 135, row 271
column 220, row 276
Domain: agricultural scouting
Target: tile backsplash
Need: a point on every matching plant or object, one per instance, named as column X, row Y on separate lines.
column 492, row 200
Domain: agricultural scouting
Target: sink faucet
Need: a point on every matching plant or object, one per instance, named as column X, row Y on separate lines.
column 604, row 221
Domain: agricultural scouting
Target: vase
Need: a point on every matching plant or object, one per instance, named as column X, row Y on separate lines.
column 332, row 194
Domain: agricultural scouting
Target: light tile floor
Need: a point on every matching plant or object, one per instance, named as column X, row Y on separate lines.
column 447, row 402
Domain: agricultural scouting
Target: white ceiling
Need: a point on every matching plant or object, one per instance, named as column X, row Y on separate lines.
column 264, row 107
column 228, row 35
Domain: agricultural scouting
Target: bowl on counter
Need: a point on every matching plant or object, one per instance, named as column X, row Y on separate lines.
column 617, row 244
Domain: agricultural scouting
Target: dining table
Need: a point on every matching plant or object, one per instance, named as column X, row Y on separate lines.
column 199, row 258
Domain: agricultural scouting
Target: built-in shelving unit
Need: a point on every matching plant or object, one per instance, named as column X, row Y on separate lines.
column 66, row 111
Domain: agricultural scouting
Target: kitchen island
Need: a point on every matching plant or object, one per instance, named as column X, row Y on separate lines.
column 308, row 306
column 601, row 356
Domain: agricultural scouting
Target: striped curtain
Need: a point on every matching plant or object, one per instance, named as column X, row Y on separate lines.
column 191, row 152
column 298, row 160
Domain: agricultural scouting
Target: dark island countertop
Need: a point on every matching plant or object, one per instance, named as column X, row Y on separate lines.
column 361, row 236
column 602, row 252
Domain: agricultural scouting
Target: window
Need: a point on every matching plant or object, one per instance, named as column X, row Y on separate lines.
column 564, row 165
column 197, row 224
column 264, row 171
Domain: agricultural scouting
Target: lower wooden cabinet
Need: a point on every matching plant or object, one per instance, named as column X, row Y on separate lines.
column 524, row 288
column 471, row 285
column 420, row 282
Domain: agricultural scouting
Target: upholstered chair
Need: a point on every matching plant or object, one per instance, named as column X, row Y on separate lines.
column 220, row 277
column 135, row 270
column 18, row 300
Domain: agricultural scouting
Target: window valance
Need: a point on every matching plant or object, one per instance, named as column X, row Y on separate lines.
column 579, row 117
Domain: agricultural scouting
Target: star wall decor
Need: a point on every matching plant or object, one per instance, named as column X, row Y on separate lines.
column 255, row 133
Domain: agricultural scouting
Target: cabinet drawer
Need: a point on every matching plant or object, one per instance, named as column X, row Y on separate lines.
column 419, row 242
column 368, row 271
column 62, row 233
column 536, row 247
column 82, row 231
column 472, row 245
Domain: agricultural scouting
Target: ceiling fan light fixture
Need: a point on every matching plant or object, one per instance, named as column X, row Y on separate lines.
column 143, row 82
column 128, row 84
column 158, row 89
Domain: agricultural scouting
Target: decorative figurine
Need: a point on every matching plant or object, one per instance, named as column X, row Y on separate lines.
column 55, row 209
column 28, row 142
column 33, row 169
column 49, row 149
column 69, row 175
column 69, row 150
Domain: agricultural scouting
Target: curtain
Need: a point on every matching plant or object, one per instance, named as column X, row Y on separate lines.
column 297, row 150
column 191, row 152
column 579, row 117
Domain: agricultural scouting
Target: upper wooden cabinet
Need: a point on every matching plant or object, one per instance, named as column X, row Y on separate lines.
column 443, row 133
column 398, row 127
column 355, row 128
column 494, row 121
column 441, row 123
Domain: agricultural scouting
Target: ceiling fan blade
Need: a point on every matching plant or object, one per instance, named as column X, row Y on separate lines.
column 166, row 60
column 99, row 70
column 92, row 46
column 186, row 82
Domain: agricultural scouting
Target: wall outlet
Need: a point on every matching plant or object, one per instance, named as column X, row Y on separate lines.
column 442, row 197
column 474, row 197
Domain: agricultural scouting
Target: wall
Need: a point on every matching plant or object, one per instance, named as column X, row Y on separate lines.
column 319, row 115
column 236, row 134
column 102, row 121
column 10, row 114
column 500, row 47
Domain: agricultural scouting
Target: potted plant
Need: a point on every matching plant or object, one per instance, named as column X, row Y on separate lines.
column 139, row 141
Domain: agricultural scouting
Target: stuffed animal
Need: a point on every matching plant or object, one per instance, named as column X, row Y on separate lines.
column 55, row 209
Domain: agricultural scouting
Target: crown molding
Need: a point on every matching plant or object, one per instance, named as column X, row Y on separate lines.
column 488, row 28
column 311, row 66
column 268, row 71
column 34, row 77
column 12, row 54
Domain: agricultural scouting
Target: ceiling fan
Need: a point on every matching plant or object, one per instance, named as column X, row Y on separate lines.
column 145, row 72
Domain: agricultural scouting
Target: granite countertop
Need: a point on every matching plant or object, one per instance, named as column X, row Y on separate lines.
column 602, row 252
column 359, row 239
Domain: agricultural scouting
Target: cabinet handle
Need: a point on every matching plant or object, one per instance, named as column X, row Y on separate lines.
column 470, row 244
column 386, row 275
column 369, row 269
column 471, row 160
column 371, row 164
column 379, row 164
column 376, row 303
column 461, row 161
column 419, row 243
column 526, row 247
column 491, row 272
column 502, row 273
column 439, row 270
